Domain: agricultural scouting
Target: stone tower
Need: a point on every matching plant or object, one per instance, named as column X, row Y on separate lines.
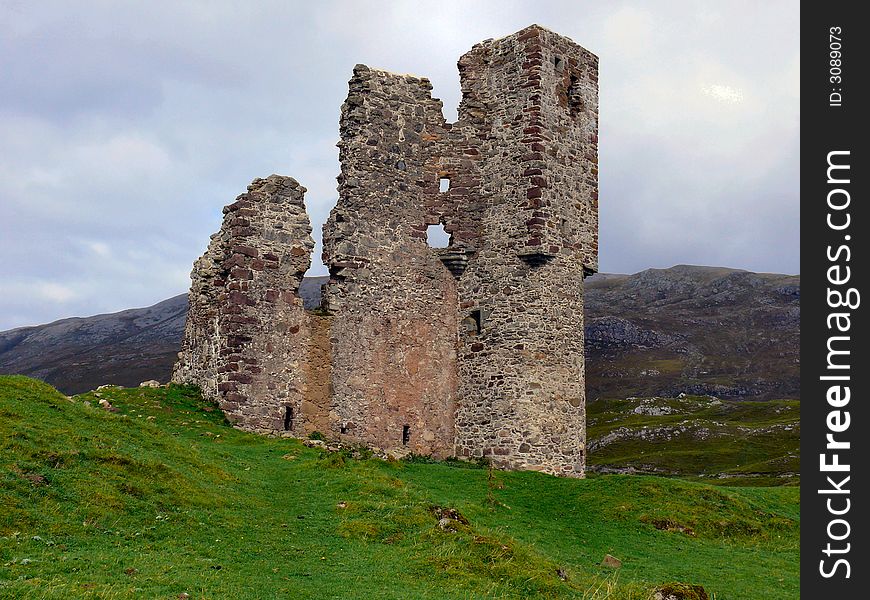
column 474, row 349
column 533, row 98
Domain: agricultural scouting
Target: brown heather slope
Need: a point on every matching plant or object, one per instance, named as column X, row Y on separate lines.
column 697, row 330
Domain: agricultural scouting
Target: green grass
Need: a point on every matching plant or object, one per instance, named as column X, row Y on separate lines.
column 721, row 441
column 163, row 498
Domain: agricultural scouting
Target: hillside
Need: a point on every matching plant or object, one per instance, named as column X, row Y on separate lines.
column 152, row 495
column 79, row 354
column 660, row 332
column 693, row 330
column 735, row 442
column 124, row 348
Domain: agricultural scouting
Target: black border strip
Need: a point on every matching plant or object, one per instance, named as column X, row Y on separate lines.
column 834, row 229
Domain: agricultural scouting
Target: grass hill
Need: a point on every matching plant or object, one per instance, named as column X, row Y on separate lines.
column 152, row 495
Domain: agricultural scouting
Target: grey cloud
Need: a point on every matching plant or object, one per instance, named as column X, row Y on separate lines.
column 59, row 73
column 125, row 128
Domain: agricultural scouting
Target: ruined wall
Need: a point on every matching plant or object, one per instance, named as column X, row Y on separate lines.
column 522, row 213
column 392, row 300
column 247, row 336
column 475, row 349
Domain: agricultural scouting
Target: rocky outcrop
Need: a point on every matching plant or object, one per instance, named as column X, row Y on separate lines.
column 606, row 334
column 697, row 330
column 696, row 436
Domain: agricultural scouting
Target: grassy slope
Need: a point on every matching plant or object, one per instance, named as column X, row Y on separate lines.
column 162, row 498
column 749, row 443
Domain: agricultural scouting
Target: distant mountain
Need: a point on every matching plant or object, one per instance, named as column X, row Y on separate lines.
column 125, row 348
column 698, row 330
column 78, row 354
column 695, row 330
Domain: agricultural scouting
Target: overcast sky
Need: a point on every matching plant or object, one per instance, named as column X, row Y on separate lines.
column 126, row 127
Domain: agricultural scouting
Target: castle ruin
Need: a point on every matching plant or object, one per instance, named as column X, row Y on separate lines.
column 471, row 350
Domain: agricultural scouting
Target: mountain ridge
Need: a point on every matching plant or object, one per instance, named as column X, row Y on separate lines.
column 686, row 329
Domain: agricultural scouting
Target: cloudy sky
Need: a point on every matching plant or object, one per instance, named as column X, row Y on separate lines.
column 125, row 127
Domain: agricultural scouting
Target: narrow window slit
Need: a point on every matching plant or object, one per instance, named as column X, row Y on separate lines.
column 289, row 420
column 575, row 97
column 406, row 434
column 473, row 323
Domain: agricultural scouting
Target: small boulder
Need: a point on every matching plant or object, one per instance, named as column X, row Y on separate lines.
column 449, row 519
column 680, row 591
column 151, row 383
column 611, row 561
column 442, row 512
column 106, row 405
column 448, row 525
column 397, row 453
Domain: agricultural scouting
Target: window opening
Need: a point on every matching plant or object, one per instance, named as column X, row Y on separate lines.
column 575, row 98
column 473, row 323
column 437, row 237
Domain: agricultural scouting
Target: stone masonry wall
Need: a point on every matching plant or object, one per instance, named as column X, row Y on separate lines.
column 522, row 399
column 392, row 300
column 247, row 336
column 522, row 213
column 473, row 350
